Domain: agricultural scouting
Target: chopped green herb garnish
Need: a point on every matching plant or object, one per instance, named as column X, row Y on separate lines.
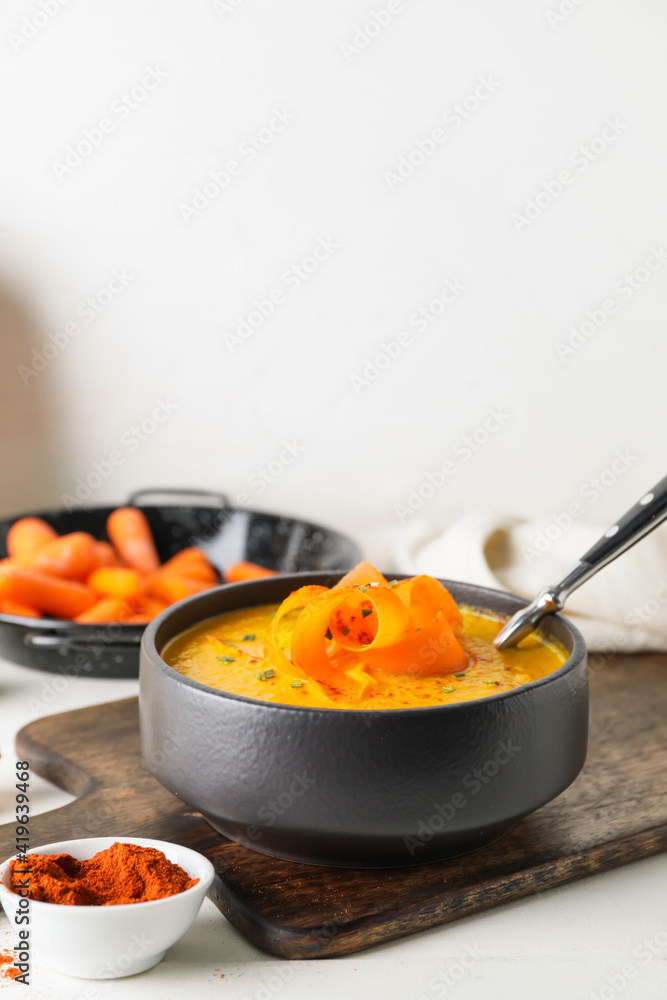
column 448, row 689
column 345, row 630
column 459, row 675
column 296, row 684
column 487, row 681
column 365, row 612
column 363, row 588
column 268, row 673
column 264, row 675
column 226, row 659
column 392, row 583
column 365, row 645
column 248, row 638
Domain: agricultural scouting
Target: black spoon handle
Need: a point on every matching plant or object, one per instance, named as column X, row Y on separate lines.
column 646, row 515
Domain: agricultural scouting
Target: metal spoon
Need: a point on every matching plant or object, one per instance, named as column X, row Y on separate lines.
column 646, row 515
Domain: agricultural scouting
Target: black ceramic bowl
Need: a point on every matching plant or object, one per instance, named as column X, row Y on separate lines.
column 227, row 534
column 358, row 788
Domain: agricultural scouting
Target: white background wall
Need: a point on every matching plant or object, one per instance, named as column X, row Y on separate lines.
column 556, row 81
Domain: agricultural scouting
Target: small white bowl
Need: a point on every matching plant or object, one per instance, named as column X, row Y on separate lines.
column 109, row 942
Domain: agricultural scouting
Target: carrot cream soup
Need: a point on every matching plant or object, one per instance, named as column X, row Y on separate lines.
column 367, row 643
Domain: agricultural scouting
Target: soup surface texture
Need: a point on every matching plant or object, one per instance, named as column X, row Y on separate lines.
column 231, row 653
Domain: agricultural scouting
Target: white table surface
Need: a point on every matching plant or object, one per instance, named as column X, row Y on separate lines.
column 590, row 940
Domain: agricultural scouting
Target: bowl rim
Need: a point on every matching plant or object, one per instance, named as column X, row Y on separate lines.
column 149, row 649
column 111, row 907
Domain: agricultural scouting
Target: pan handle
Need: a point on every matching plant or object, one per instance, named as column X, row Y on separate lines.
column 76, row 644
column 139, row 496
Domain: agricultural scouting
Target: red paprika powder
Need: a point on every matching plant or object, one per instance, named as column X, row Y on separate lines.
column 122, row 873
column 7, row 968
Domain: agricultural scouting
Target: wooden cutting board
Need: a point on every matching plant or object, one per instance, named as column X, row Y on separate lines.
column 615, row 812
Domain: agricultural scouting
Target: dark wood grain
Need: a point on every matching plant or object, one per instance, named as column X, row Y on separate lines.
column 614, row 813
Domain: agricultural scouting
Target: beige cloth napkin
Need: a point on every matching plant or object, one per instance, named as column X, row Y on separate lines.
column 623, row 608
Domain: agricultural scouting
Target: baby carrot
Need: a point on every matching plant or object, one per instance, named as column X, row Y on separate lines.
column 72, row 556
column 64, row 598
column 145, row 611
column 109, row 609
column 10, row 607
column 174, row 588
column 113, row 581
column 191, row 563
column 131, row 535
column 27, row 535
column 246, row 571
column 105, row 554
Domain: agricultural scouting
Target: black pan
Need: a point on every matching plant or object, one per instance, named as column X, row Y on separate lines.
column 227, row 534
